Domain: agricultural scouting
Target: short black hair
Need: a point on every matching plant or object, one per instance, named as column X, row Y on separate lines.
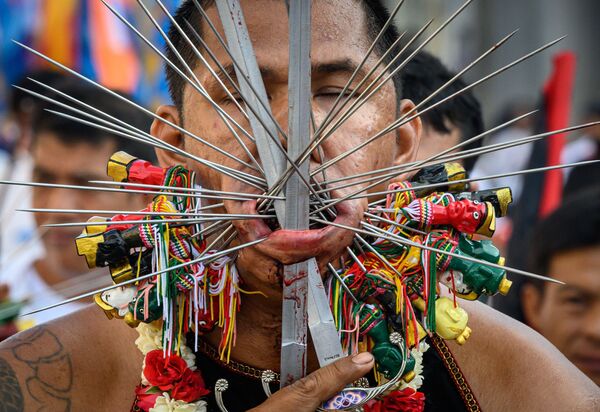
column 20, row 101
column 574, row 225
column 73, row 132
column 376, row 12
column 422, row 76
column 593, row 109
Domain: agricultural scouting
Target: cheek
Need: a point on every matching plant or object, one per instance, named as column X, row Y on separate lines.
column 558, row 325
column 377, row 154
column 219, row 136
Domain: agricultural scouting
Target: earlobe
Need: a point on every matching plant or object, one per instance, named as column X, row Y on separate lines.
column 531, row 299
column 408, row 136
column 168, row 134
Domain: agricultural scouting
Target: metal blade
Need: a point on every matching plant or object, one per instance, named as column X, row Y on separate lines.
column 295, row 277
column 241, row 49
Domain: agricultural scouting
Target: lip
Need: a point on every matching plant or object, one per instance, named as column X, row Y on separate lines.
column 293, row 246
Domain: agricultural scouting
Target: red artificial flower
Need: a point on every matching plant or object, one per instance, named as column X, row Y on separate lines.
column 406, row 400
column 163, row 372
column 190, row 388
column 146, row 400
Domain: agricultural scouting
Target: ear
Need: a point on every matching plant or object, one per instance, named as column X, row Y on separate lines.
column 531, row 302
column 408, row 137
column 168, row 134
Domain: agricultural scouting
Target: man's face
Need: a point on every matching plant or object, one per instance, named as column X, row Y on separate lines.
column 339, row 42
column 73, row 164
column 569, row 316
column 433, row 142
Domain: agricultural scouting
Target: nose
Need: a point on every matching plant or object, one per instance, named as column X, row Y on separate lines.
column 591, row 327
column 59, row 198
column 280, row 109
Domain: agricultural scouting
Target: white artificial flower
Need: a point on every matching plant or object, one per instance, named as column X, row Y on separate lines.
column 150, row 337
column 144, row 380
column 417, row 354
column 188, row 356
column 166, row 404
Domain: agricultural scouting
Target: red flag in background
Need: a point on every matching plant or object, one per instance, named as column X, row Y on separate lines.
column 558, row 92
column 542, row 192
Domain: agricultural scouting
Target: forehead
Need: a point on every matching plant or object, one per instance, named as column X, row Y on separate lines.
column 578, row 268
column 49, row 152
column 339, row 32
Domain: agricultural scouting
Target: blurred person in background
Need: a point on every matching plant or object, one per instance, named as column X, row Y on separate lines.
column 16, row 165
column 450, row 123
column 511, row 159
column 68, row 152
column 566, row 247
column 586, row 147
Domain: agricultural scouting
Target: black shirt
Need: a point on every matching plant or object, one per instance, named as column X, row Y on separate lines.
column 244, row 393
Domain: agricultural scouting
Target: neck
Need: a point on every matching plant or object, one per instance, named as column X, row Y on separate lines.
column 258, row 341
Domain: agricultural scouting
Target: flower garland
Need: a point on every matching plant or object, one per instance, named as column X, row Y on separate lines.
column 404, row 400
column 171, row 383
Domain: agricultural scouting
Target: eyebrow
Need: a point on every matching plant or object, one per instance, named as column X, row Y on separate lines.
column 337, row 66
column 572, row 288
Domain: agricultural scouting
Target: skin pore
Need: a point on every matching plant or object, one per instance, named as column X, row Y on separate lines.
column 60, row 162
column 569, row 316
column 509, row 366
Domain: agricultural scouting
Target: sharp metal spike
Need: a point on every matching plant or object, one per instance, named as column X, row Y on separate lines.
column 391, row 222
column 361, row 100
column 463, row 155
column 397, row 239
column 175, row 190
column 203, row 259
column 223, row 169
column 384, row 28
column 153, row 221
column 115, row 190
column 412, row 166
column 402, row 121
column 120, row 212
column 256, row 165
column 397, row 69
column 134, row 134
column 496, row 176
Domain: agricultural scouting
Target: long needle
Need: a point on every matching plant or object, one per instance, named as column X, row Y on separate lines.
column 203, row 259
column 223, row 169
column 402, row 120
column 397, row 239
column 463, row 155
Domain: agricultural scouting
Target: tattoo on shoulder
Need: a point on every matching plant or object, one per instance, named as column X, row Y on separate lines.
column 49, row 377
column 11, row 398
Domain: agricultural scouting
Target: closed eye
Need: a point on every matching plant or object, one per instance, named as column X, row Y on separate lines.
column 333, row 92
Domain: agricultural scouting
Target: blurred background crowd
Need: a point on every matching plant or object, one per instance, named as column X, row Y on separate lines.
column 554, row 225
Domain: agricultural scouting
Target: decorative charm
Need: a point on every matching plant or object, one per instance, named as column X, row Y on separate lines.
column 267, row 377
column 385, row 299
column 221, row 385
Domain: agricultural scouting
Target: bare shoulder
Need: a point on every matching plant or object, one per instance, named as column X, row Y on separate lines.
column 81, row 361
column 512, row 367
